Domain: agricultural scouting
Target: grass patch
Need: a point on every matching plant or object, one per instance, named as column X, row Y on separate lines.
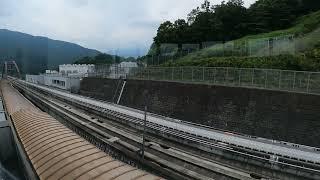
column 284, row 62
column 304, row 25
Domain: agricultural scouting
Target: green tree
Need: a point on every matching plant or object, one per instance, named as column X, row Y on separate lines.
column 180, row 33
column 193, row 15
column 269, row 15
column 101, row 58
column 231, row 19
column 206, row 6
column 201, row 28
column 165, row 34
column 309, row 5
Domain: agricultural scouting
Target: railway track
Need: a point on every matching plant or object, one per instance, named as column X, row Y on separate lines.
column 208, row 143
column 186, row 164
column 54, row 151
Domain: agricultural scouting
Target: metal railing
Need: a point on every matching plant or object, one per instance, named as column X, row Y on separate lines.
column 296, row 81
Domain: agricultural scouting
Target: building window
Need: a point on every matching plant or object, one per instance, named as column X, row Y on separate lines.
column 59, row 83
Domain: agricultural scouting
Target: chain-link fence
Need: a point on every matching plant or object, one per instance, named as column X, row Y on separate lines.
column 252, row 47
column 297, row 81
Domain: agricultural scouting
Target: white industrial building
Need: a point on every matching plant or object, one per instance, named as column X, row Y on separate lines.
column 122, row 69
column 51, row 72
column 35, row 79
column 56, row 80
column 63, row 82
column 76, row 69
column 68, row 78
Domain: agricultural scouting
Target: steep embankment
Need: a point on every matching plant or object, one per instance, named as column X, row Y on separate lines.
column 306, row 33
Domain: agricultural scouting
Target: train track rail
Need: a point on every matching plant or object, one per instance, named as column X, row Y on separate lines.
column 181, row 158
column 309, row 166
column 54, row 151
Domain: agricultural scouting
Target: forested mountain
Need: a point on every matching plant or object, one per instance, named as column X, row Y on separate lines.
column 231, row 20
column 104, row 59
column 34, row 54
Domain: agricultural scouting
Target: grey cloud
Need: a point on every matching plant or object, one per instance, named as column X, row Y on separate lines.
column 5, row 8
column 78, row 3
column 107, row 25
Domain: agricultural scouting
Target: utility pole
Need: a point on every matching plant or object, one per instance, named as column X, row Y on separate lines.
column 144, row 131
column 146, row 100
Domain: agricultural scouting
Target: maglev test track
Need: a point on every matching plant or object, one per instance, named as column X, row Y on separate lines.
column 56, row 152
column 300, row 153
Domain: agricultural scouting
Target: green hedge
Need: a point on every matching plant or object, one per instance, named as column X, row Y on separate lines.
column 284, row 62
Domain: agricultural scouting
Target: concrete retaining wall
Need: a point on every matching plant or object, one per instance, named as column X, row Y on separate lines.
column 286, row 116
column 103, row 89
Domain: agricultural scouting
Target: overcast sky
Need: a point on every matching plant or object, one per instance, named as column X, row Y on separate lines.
column 123, row 27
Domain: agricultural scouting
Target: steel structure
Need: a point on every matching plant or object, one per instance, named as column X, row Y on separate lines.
column 10, row 67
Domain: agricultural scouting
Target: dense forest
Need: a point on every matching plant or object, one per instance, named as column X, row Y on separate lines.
column 103, row 58
column 231, row 20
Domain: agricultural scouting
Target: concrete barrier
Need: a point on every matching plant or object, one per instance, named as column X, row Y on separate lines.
column 104, row 89
column 279, row 115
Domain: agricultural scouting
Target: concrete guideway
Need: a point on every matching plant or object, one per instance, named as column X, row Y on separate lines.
column 122, row 137
column 255, row 144
column 56, row 152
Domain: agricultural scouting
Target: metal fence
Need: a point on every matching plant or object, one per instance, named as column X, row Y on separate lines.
column 296, row 81
column 258, row 47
